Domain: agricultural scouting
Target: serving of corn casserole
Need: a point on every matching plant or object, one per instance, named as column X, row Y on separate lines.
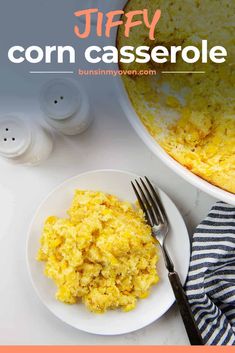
column 103, row 253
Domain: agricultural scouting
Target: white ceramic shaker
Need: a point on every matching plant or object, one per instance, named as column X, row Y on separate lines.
column 23, row 141
column 65, row 106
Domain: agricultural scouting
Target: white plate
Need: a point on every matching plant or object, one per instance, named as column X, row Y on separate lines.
column 112, row 322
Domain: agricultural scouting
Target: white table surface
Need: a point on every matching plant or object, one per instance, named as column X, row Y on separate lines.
column 109, row 143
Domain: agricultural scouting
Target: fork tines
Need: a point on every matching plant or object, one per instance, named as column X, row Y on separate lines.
column 149, row 201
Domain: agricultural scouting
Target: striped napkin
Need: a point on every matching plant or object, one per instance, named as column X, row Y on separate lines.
column 210, row 285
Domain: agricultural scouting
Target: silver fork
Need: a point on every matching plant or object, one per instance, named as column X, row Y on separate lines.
column 156, row 217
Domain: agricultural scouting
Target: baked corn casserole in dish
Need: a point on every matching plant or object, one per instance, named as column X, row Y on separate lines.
column 102, row 254
column 191, row 116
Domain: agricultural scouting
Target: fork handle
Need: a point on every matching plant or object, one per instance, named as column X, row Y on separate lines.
column 190, row 325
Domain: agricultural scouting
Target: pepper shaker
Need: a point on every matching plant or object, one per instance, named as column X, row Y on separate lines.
column 65, row 106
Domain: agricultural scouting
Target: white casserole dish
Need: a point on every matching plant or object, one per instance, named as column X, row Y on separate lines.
column 193, row 179
column 143, row 133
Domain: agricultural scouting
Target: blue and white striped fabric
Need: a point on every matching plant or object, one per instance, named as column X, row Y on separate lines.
column 211, row 280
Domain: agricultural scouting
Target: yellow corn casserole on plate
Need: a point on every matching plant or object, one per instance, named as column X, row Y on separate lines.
column 97, row 258
column 103, row 253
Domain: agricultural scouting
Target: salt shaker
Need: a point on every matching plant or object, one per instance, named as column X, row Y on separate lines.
column 65, row 106
column 23, row 141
